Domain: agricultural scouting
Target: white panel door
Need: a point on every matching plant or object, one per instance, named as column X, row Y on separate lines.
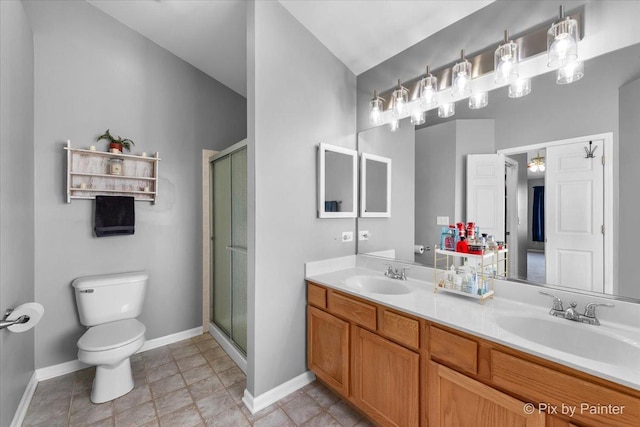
column 574, row 216
column 486, row 193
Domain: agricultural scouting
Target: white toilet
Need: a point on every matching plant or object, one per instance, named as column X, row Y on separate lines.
column 109, row 305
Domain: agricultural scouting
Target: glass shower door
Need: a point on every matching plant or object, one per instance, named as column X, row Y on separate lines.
column 229, row 246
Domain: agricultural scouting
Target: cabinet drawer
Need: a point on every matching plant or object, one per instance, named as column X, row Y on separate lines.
column 317, row 295
column 540, row 384
column 356, row 311
column 400, row 328
column 453, row 350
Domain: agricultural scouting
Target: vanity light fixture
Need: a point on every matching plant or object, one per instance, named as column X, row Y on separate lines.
column 461, row 77
column 394, row 125
column 536, row 164
column 418, row 117
column 478, row 100
column 562, row 41
column 505, row 62
column 428, row 90
column 375, row 109
column 400, row 100
column 446, row 110
column 520, row 88
column 570, row 73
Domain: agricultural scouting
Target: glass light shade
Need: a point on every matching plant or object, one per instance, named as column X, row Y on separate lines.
column 400, row 100
column 446, row 110
column 418, row 117
column 461, row 78
column 394, row 125
column 541, row 167
column 375, row 111
column 478, row 100
column 428, row 91
column 533, row 167
column 505, row 63
column 562, row 43
column 520, row 88
column 570, row 73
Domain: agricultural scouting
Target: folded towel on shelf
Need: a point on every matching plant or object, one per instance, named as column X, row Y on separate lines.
column 331, row 206
column 114, row 215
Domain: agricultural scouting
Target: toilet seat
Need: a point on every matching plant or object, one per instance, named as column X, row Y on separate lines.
column 112, row 335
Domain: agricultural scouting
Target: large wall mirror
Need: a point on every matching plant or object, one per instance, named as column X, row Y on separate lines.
column 554, row 123
column 337, row 182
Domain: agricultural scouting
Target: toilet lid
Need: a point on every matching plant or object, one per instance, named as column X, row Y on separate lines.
column 111, row 335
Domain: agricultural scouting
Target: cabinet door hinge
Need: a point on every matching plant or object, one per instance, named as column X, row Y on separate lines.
column 602, row 229
column 602, row 160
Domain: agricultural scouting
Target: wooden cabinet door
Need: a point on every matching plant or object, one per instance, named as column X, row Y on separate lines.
column 457, row 400
column 385, row 379
column 328, row 349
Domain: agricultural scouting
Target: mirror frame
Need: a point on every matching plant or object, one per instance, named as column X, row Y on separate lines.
column 363, row 186
column 322, row 150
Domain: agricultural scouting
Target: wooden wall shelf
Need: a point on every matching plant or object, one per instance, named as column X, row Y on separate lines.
column 88, row 175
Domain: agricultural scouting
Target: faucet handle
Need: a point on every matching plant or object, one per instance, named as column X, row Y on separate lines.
column 557, row 302
column 403, row 274
column 590, row 309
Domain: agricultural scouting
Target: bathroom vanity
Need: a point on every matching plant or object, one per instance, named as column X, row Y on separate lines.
column 408, row 357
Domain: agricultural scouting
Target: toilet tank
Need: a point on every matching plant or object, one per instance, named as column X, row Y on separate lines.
column 110, row 297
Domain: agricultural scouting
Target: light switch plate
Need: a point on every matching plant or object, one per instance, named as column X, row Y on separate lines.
column 442, row 220
column 347, row 236
column 363, row 235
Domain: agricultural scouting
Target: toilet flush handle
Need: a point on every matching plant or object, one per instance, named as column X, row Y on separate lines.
column 86, row 291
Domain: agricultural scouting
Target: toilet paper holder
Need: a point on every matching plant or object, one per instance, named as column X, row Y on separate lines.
column 4, row 323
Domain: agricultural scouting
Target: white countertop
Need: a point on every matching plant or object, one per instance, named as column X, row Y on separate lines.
column 468, row 315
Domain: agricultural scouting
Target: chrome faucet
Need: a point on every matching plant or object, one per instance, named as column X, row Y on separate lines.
column 571, row 313
column 395, row 273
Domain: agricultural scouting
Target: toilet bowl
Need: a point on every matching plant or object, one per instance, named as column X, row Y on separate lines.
column 109, row 305
column 109, row 347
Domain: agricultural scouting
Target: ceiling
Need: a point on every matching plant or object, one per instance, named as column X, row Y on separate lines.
column 211, row 36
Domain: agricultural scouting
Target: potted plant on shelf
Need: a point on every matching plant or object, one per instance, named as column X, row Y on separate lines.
column 117, row 143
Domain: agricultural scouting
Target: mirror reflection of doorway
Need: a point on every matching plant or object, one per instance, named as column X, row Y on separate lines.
column 565, row 215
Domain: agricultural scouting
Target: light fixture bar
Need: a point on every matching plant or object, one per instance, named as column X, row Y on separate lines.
column 530, row 43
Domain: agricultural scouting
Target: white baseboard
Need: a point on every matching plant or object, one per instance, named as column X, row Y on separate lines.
column 170, row 339
column 229, row 348
column 255, row 404
column 59, row 369
column 23, row 406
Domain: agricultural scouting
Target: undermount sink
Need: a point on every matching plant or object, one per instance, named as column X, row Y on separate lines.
column 579, row 339
column 377, row 285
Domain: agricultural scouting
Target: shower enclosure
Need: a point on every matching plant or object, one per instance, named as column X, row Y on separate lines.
column 229, row 244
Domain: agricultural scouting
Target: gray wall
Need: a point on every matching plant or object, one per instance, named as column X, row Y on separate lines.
column 441, row 172
column 16, row 201
column 435, row 162
column 282, row 141
column 396, row 231
column 93, row 73
column 629, row 179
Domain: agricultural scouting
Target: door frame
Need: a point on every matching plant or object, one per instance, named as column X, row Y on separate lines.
column 206, row 236
column 607, row 137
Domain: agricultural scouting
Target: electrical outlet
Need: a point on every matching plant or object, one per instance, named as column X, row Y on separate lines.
column 347, row 236
column 442, row 220
column 363, row 235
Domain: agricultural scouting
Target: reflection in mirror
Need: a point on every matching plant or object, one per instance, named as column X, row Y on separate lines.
column 606, row 101
column 375, row 186
column 337, row 182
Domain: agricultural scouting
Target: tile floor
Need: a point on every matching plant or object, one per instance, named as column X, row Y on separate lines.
column 188, row 383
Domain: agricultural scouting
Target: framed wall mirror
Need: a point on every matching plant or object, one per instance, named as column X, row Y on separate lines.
column 337, row 182
column 375, row 186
